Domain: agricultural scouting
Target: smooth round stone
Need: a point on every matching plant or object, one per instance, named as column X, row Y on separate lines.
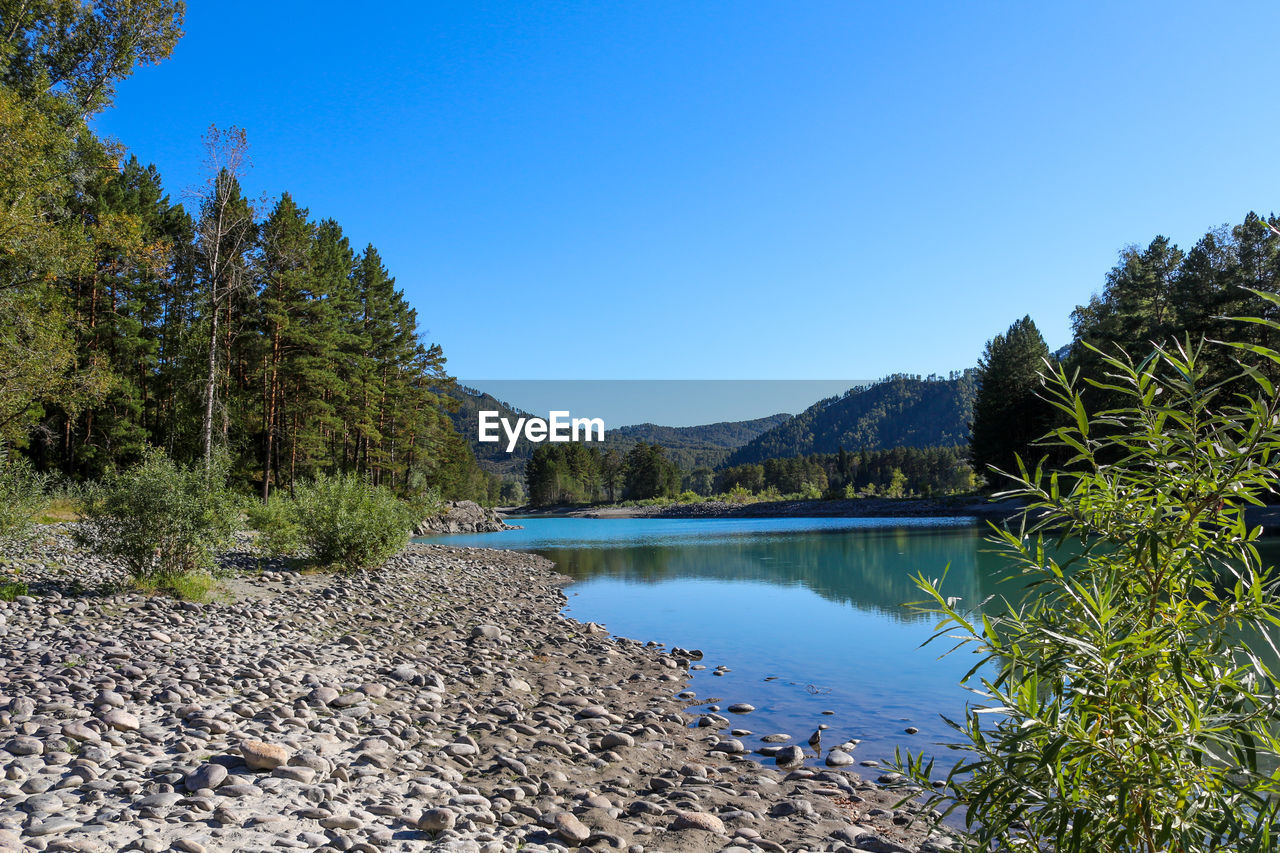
column 789, row 756
column 612, row 740
column 44, row 804
column 206, row 776
column 23, row 745
column 436, row 820
column 742, row 708
column 839, row 758
column 121, row 721
column 52, row 826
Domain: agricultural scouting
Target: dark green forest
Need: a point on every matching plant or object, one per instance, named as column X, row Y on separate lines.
column 1155, row 296
column 223, row 326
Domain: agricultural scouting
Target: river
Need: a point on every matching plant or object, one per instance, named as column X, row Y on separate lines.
column 809, row 617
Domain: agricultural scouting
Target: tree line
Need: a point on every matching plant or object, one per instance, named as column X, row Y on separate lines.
column 130, row 321
column 1159, row 295
column 573, row 472
column 577, row 473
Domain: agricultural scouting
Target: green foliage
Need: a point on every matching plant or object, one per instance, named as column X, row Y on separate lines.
column 1008, row 414
column 348, row 523
column 76, row 52
column 279, row 534
column 1161, row 293
column 896, row 471
column 194, row 586
column 10, row 590
column 1126, row 708
column 22, row 498
column 650, row 474
column 159, row 518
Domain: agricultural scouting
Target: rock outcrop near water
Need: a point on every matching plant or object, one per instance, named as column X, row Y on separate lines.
column 443, row 703
column 462, row 517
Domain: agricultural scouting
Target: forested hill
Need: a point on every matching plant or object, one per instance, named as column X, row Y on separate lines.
column 706, row 445
column 899, row 411
column 492, row 456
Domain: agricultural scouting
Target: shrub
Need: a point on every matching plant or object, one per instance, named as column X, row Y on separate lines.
column 1123, row 712
column 347, row 522
column 10, row 590
column 425, row 501
column 22, row 498
column 160, row 518
column 277, row 524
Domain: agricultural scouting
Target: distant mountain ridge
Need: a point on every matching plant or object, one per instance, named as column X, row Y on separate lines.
column 898, row 411
column 705, row 445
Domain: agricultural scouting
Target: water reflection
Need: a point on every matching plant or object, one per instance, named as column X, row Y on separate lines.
column 869, row 568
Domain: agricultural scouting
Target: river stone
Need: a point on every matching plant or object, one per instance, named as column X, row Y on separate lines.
column 23, row 745
column 742, row 708
column 436, row 820
column 698, row 820
column 612, row 740
column 206, row 776
column 571, row 829
column 839, row 758
column 121, row 721
column 80, row 731
column 22, row 708
column 789, row 756
column 109, row 697
column 263, row 756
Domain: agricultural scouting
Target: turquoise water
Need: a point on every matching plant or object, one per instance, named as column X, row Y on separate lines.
column 809, row 615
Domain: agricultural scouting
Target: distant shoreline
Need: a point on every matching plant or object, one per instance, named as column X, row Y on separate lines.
column 967, row 505
column 948, row 507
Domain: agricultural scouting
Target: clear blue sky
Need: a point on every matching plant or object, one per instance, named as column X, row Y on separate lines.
column 732, row 189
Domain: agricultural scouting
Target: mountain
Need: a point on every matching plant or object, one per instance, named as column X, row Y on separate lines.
column 898, row 411
column 492, row 456
column 706, row 445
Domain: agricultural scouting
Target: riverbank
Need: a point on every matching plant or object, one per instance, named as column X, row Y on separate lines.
column 441, row 704
column 949, row 507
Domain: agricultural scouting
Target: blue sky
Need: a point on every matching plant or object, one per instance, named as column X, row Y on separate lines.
column 731, row 189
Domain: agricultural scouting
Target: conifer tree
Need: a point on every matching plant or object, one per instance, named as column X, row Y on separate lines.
column 1008, row 414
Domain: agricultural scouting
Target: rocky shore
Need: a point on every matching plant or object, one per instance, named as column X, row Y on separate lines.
column 463, row 517
column 443, row 703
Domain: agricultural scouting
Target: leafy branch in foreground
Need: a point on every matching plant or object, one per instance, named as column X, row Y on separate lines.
column 1128, row 702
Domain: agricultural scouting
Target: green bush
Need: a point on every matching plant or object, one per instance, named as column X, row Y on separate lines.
column 279, row 534
column 425, row 501
column 22, row 498
column 348, row 523
column 1125, row 709
column 160, row 518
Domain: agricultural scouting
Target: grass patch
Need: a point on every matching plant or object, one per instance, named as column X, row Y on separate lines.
column 192, row 586
column 10, row 590
column 59, row 510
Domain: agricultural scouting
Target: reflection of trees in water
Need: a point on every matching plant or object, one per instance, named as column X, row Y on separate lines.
column 869, row 569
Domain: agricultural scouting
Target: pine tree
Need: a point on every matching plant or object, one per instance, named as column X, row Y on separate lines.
column 1007, row 413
